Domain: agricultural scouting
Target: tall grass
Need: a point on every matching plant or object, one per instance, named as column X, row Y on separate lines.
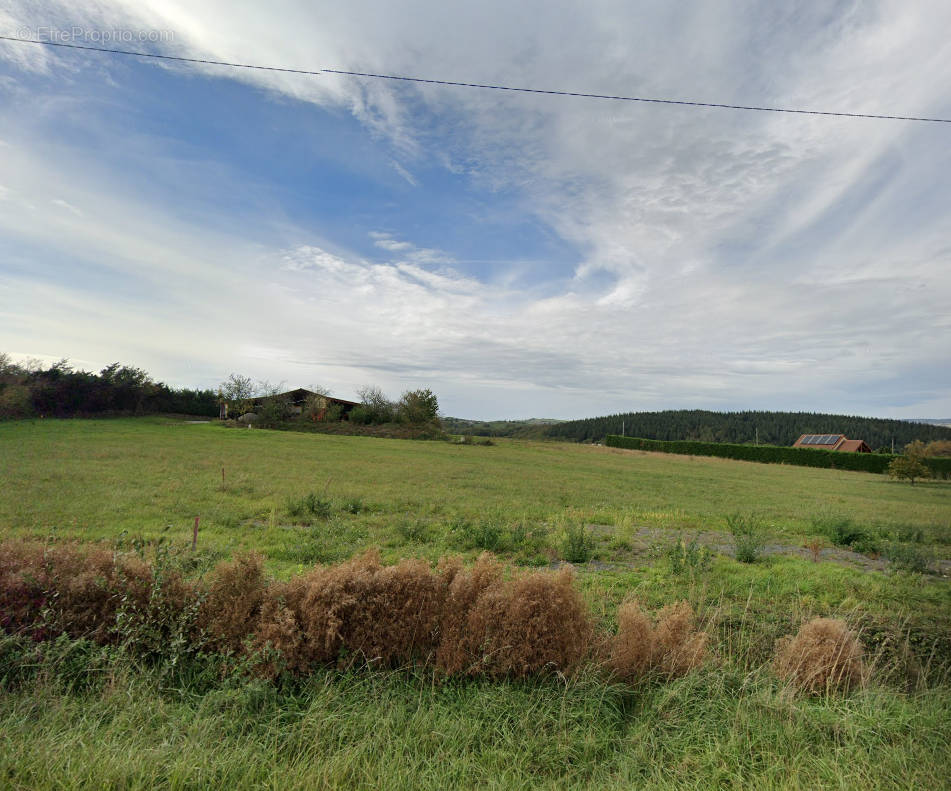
column 400, row 730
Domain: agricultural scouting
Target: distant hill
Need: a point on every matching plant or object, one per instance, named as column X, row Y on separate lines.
column 532, row 427
column 768, row 428
column 932, row 421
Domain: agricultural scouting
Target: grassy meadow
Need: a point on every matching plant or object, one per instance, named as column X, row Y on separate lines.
column 80, row 718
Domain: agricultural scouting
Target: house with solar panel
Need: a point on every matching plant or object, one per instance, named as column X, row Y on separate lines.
column 832, row 442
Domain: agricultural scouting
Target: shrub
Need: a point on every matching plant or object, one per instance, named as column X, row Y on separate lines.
column 332, row 413
column 910, row 534
column 843, row 532
column 909, row 557
column 577, row 542
column 672, row 646
column 91, row 593
column 318, row 506
column 273, row 410
column 867, row 542
column 484, row 534
column 375, row 407
column 417, row 406
column 748, row 536
column 157, row 621
column 359, row 415
column 824, row 656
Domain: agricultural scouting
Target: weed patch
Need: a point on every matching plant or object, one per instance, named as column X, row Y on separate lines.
column 355, row 505
column 824, row 656
column 749, row 536
column 577, row 542
column 909, row 557
column 843, row 532
column 671, row 646
column 688, row 557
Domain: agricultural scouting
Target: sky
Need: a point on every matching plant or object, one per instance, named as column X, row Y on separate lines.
column 522, row 255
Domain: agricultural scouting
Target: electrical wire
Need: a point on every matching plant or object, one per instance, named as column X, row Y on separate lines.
column 484, row 86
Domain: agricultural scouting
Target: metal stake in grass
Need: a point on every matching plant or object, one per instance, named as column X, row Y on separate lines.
column 195, row 535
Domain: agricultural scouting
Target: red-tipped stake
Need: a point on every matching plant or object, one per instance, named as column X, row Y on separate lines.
column 195, row 534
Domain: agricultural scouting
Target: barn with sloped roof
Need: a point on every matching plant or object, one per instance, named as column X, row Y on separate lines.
column 832, row 442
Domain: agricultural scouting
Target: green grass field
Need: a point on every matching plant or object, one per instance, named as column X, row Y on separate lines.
column 730, row 724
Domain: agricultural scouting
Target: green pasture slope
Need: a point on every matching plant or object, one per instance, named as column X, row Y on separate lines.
column 84, row 720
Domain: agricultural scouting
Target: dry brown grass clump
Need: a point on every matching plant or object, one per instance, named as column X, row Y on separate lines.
column 512, row 627
column 233, row 597
column 79, row 590
column 358, row 611
column 825, row 655
column 23, row 587
column 62, row 587
column 366, row 611
column 671, row 646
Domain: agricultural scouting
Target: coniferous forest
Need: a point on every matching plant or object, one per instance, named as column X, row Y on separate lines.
column 766, row 428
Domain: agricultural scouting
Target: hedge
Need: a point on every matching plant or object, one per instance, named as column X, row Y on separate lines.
column 775, row 454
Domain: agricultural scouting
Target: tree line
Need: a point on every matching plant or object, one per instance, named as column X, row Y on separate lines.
column 752, row 427
column 31, row 390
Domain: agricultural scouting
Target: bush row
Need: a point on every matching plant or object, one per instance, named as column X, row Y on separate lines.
column 774, row 454
column 485, row 620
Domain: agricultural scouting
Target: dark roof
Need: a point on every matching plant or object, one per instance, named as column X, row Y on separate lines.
column 301, row 394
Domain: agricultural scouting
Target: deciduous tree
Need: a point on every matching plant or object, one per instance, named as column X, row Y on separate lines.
column 910, row 465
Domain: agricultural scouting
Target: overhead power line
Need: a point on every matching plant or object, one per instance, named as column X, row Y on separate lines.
column 484, row 86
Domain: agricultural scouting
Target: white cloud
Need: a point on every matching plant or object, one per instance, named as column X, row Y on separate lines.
column 67, row 206
column 726, row 258
column 392, row 246
column 405, row 174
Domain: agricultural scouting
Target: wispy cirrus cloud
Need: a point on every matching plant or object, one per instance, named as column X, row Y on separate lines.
column 678, row 257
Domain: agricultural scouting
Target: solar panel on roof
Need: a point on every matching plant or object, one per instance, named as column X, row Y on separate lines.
column 820, row 439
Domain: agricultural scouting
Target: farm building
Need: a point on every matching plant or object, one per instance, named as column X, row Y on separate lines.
column 832, row 442
column 297, row 401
